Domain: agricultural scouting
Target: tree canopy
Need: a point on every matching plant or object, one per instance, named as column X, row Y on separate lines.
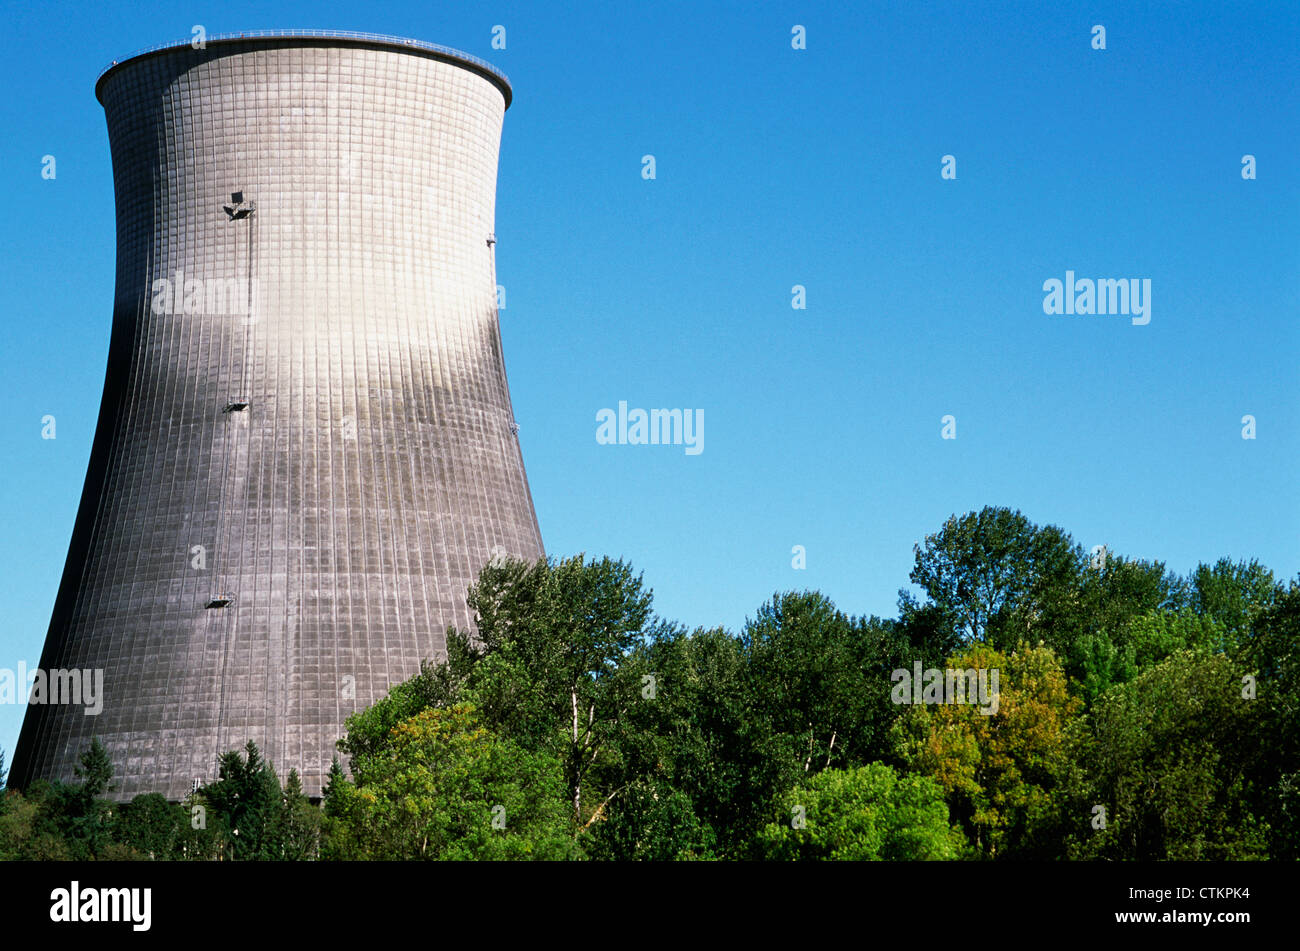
column 1123, row 712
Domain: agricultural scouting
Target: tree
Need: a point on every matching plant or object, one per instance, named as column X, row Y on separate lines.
column 821, row 679
column 999, row 770
column 1272, row 654
column 151, row 826
column 244, row 806
column 1234, row 594
column 333, row 783
column 436, row 685
column 927, row 632
column 553, row 677
column 26, row 834
column 549, row 668
column 866, row 813
column 1106, row 657
column 444, row 787
column 733, row 723
column 651, row 820
column 697, row 765
column 1087, row 620
column 982, row 567
column 1168, row 756
column 82, row 817
column 299, row 822
column 95, row 771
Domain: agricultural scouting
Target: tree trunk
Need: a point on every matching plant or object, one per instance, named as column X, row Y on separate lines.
column 577, row 766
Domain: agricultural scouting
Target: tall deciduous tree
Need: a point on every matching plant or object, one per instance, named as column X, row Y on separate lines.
column 1234, row 594
column 698, row 764
column 551, row 667
column 821, row 679
column 983, row 566
column 554, row 674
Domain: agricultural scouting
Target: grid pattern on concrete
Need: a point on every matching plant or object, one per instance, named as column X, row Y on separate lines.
column 349, row 304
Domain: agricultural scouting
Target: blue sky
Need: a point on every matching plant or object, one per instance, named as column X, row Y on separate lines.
column 777, row 167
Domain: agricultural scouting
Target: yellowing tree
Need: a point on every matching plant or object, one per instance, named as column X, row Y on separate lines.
column 998, row 770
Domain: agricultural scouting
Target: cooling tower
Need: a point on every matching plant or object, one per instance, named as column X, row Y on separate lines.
column 305, row 450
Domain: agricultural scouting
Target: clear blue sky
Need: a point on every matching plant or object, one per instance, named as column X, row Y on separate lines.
column 778, row 167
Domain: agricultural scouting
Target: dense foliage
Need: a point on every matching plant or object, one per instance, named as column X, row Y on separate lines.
column 1138, row 715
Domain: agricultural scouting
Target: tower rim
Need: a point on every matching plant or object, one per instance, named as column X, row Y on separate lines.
column 341, row 37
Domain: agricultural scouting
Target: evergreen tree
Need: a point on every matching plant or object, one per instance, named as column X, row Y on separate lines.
column 95, row 771
column 245, row 806
column 299, row 822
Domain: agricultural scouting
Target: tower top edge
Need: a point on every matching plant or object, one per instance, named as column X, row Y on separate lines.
column 324, row 37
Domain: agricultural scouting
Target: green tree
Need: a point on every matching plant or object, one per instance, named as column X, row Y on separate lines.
column 552, row 668
column 299, row 822
column 1234, row 594
column 1168, row 757
column 866, row 813
column 732, row 723
column 82, row 816
column 1272, row 655
column 244, row 806
column 697, row 765
column 984, row 568
column 436, row 685
column 553, row 676
column 1090, row 628
column 444, row 787
column 821, row 680
column 95, row 771
column 151, row 826
column 54, row 820
column 25, row 834
column 1115, row 656
column 651, row 820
